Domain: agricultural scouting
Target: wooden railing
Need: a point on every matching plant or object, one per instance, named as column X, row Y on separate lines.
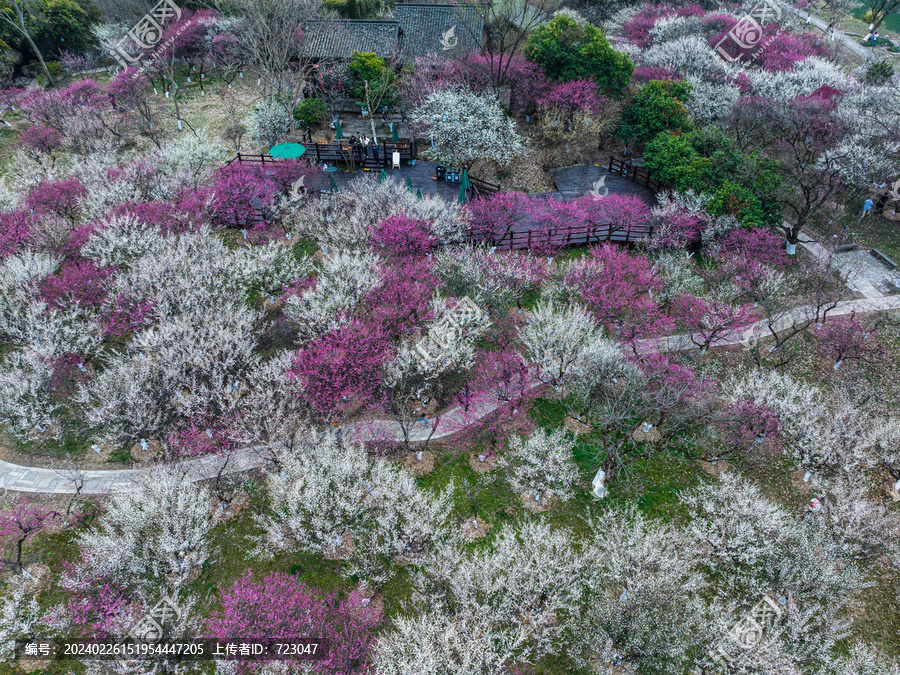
column 345, row 153
column 482, row 188
column 254, row 159
column 575, row 235
column 636, row 174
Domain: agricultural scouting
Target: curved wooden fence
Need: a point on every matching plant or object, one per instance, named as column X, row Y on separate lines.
column 562, row 237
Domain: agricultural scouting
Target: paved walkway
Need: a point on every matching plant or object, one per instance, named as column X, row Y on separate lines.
column 868, row 53
column 759, row 330
column 64, row 481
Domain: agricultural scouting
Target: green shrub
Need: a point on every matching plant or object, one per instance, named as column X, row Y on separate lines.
column 879, row 73
column 56, row 71
column 310, row 112
column 657, row 106
column 569, row 51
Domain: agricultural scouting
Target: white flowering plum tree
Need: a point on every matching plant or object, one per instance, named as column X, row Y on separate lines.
column 465, row 127
column 330, row 497
column 525, row 587
column 156, row 532
column 346, row 219
column 564, row 342
column 541, row 465
column 644, row 608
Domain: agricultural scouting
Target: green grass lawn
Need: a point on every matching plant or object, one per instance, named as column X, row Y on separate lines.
column 892, row 22
column 876, row 231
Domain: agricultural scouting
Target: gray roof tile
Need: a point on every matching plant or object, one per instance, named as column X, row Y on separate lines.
column 423, row 27
column 339, row 39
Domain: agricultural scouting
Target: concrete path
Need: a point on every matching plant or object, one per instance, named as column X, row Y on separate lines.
column 868, row 53
column 861, row 275
column 64, row 481
column 760, row 330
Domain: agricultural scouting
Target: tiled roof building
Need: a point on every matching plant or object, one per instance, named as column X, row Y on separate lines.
column 339, row 39
column 437, row 28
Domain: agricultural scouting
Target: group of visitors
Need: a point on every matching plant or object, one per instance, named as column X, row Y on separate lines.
column 364, row 141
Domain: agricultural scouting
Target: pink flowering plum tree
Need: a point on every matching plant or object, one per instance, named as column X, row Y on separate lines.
column 58, row 198
column 278, row 606
column 126, row 315
column 41, row 142
column 644, row 74
column 79, row 281
column 402, row 302
column 500, row 380
column 20, row 522
column 494, row 217
column 708, row 321
column 241, row 195
column 620, row 288
column 852, row 338
column 15, row 229
column 746, row 428
column 82, row 113
column 403, row 236
column 130, row 89
column 342, row 368
column 98, row 610
column 569, row 97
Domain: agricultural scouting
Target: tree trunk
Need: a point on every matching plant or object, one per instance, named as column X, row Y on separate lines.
column 20, row 26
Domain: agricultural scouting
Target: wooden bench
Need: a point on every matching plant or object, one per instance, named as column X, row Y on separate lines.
column 883, row 258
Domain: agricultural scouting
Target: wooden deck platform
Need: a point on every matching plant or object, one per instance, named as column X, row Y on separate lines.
column 573, row 182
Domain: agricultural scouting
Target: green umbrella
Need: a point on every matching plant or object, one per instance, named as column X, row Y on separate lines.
column 338, row 133
column 287, row 150
column 334, row 186
column 409, row 184
column 464, row 183
column 394, row 135
column 419, row 194
column 462, row 195
column 382, row 176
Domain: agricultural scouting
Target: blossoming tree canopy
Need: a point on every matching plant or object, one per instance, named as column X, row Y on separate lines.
column 464, row 127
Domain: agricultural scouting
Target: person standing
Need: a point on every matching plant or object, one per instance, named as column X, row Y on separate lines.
column 867, row 207
column 375, row 149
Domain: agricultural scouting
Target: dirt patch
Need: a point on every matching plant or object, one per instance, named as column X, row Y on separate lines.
column 482, row 462
column 801, row 486
column 533, row 505
column 888, row 488
column 470, row 530
column 715, row 469
column 576, row 427
column 646, row 434
column 420, row 467
column 341, row 550
column 227, row 511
